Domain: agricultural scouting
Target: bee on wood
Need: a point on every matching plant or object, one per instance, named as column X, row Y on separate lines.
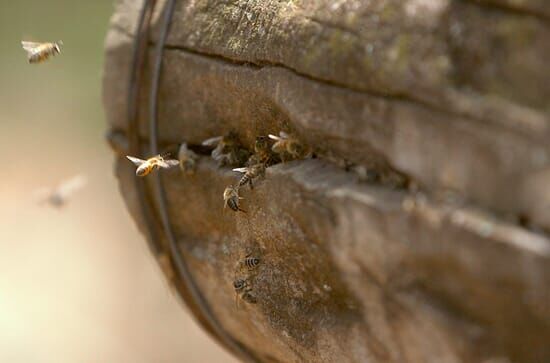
column 250, row 173
column 187, row 159
column 235, row 157
column 239, row 285
column 144, row 167
column 288, row 147
column 251, row 262
column 244, row 290
column 39, row 52
column 58, row 196
column 227, row 150
column 231, row 199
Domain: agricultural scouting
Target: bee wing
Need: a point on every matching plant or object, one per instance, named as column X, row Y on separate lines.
column 241, row 170
column 183, row 148
column 213, row 141
column 134, row 160
column 71, row 185
column 30, row 47
column 273, row 137
column 217, row 153
column 168, row 163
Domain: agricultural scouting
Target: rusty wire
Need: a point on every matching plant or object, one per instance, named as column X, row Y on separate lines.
column 139, row 53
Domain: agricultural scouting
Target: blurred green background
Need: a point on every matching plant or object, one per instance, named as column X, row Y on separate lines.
column 76, row 284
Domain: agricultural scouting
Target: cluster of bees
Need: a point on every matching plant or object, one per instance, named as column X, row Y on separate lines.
column 268, row 151
column 227, row 151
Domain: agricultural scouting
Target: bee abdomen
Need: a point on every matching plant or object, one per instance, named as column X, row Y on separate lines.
column 245, row 179
column 251, row 262
column 233, row 204
column 38, row 57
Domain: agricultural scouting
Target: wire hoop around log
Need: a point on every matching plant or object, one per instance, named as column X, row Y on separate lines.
column 188, row 284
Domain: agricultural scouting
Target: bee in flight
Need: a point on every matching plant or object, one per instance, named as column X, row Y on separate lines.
column 288, row 147
column 58, row 196
column 39, row 52
column 187, row 158
column 231, row 199
column 250, row 173
column 144, row 167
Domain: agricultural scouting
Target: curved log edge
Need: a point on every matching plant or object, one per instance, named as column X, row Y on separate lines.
column 355, row 271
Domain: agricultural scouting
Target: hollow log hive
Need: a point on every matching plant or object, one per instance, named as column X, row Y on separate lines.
column 442, row 256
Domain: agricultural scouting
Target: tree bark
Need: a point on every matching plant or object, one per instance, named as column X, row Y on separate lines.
column 444, row 257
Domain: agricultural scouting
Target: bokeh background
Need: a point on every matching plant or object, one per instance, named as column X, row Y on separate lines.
column 76, row 284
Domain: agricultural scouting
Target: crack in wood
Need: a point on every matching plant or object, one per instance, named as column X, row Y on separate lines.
column 453, row 103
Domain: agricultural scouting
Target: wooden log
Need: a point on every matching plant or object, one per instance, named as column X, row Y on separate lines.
column 450, row 96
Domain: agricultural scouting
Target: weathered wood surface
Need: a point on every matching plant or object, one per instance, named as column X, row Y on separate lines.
column 451, row 95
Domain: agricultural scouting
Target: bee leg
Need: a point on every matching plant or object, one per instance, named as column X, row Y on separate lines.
column 250, row 183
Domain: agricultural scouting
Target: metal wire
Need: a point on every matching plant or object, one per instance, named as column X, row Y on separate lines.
column 180, row 263
column 138, row 57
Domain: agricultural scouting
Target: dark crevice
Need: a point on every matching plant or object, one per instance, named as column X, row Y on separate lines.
column 118, row 142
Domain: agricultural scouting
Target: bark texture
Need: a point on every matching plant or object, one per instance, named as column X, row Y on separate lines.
column 445, row 256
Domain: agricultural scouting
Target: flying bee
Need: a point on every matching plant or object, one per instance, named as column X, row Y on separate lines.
column 39, row 52
column 288, row 147
column 187, row 158
column 144, row 167
column 58, row 196
column 250, row 173
column 227, row 149
column 231, row 199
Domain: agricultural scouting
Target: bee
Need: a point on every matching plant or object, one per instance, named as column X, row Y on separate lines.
column 227, row 149
column 58, row 196
column 251, row 262
column 239, row 285
column 144, row 167
column 187, row 159
column 288, row 147
column 39, row 52
column 243, row 288
column 231, row 199
column 250, row 173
